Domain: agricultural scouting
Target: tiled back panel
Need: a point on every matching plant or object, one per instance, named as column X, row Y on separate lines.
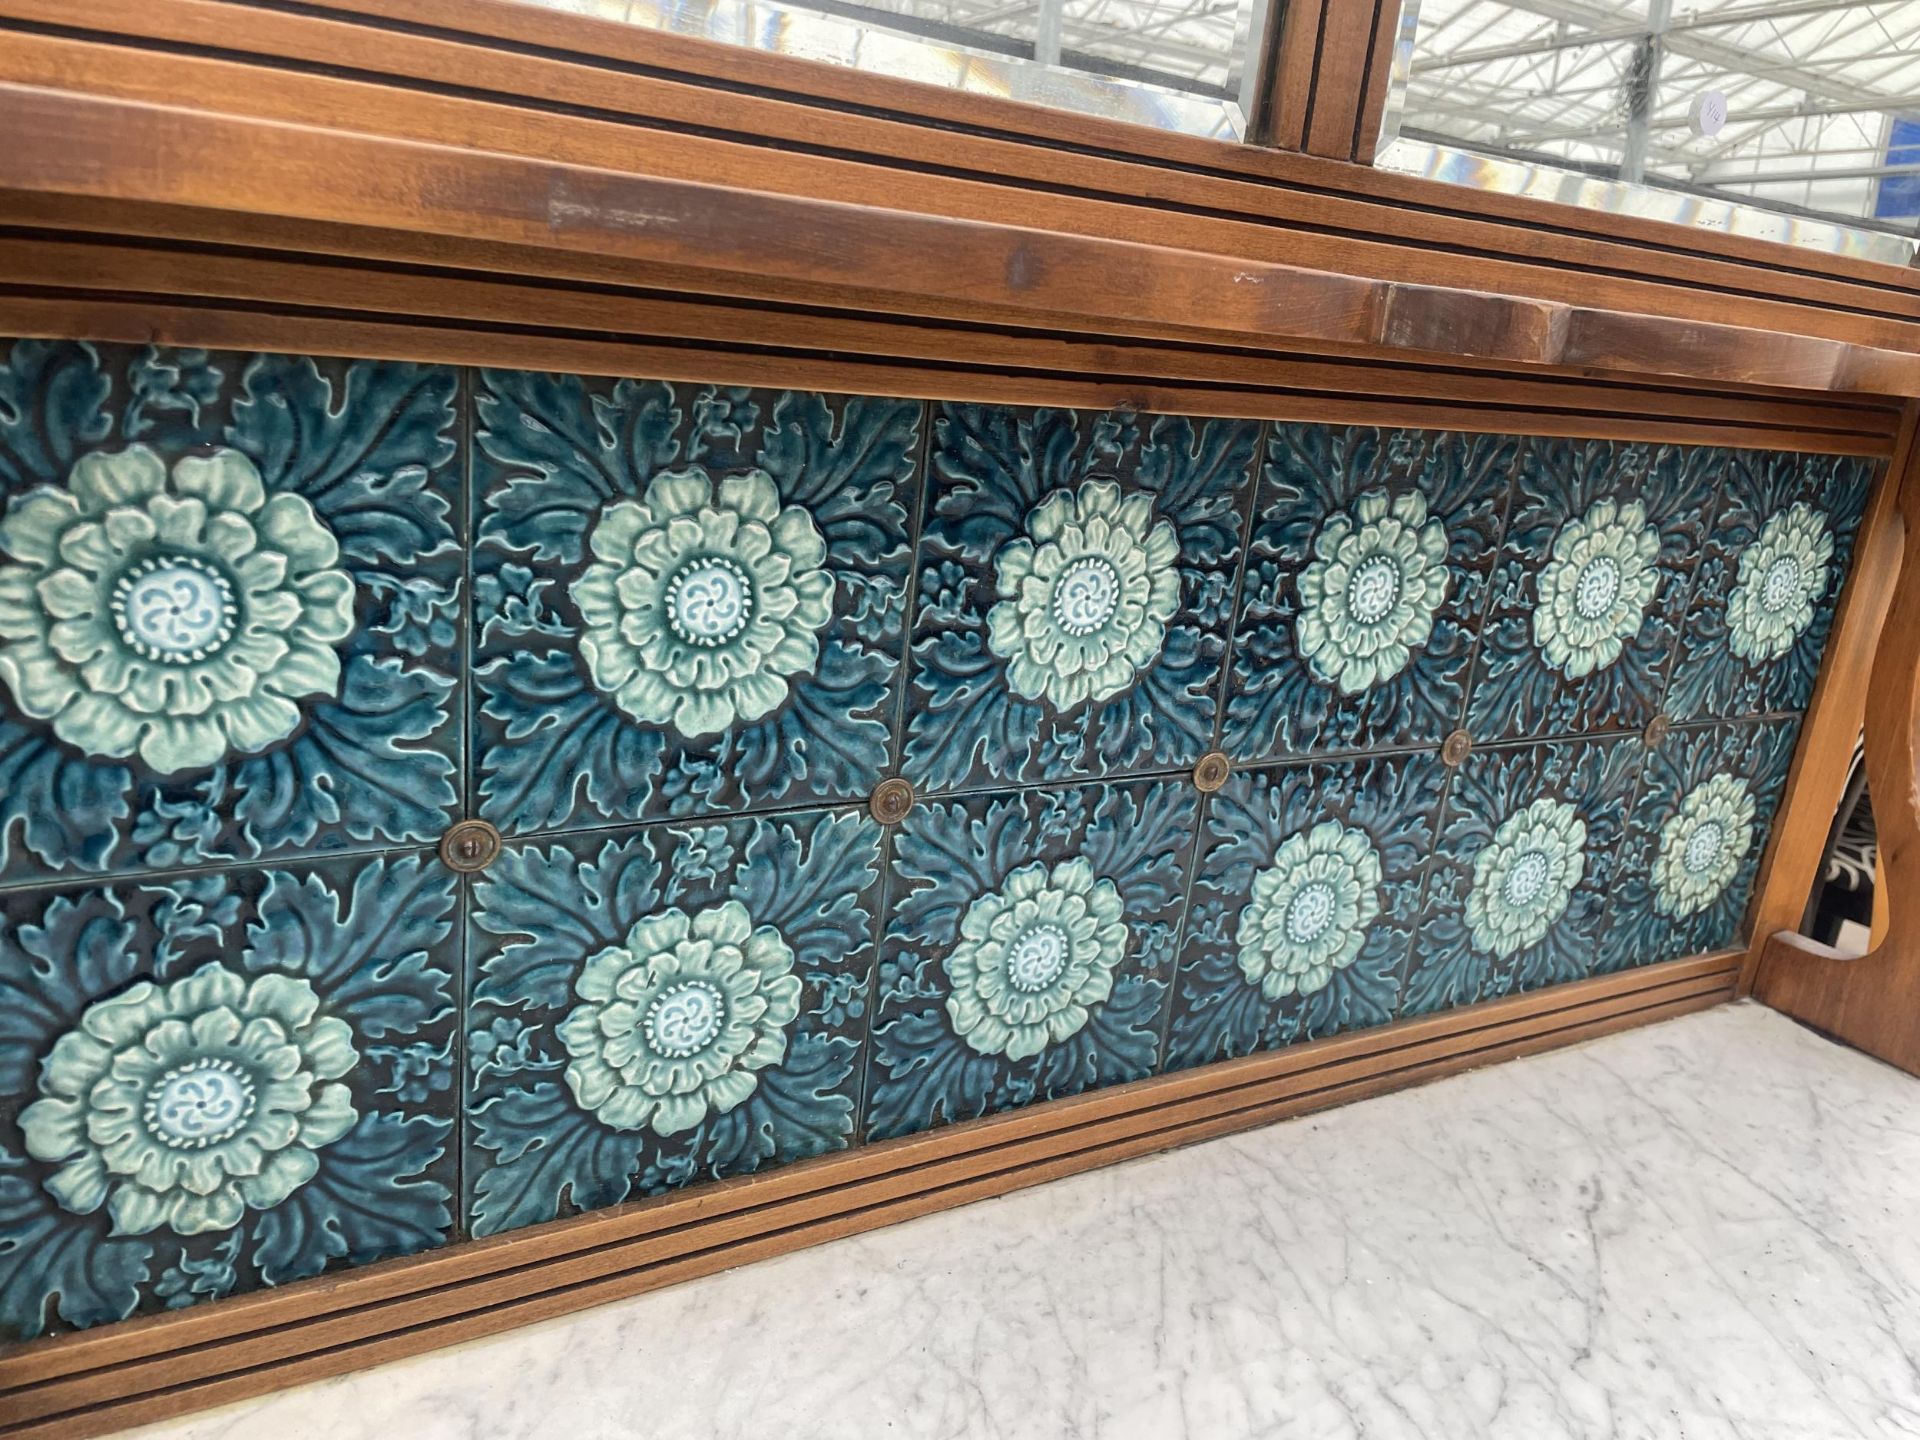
column 268, row 625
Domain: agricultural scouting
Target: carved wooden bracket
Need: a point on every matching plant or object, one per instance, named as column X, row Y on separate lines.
column 1873, row 1001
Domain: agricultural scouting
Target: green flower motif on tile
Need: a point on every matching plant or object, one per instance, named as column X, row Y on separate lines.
column 673, row 1022
column 1309, row 911
column 177, row 614
column 1034, row 957
column 702, row 600
column 184, row 1105
column 1368, row 597
column 1525, row 876
column 1702, row 845
column 1088, row 591
column 1782, row 573
column 1596, row 587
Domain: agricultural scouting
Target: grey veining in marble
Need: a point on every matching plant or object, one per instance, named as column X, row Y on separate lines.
column 1703, row 1229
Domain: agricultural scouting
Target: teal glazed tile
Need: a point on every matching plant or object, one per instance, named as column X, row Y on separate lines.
column 688, row 599
column 654, row 1006
column 1764, row 596
column 1707, row 799
column 1591, row 586
column 1526, row 855
column 1305, row 894
column 1030, row 942
column 1365, row 582
column 230, row 610
column 212, row 1083
column 252, row 1028
column 1075, row 587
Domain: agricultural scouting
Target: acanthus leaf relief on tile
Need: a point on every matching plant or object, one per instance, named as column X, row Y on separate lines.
column 1522, row 865
column 1365, row 579
column 1767, row 585
column 252, row 1027
column 229, row 606
column 652, row 1007
column 690, row 599
column 1030, row 946
column 223, row 1080
column 1591, row 585
column 1707, row 797
column 1076, row 580
column 1303, row 902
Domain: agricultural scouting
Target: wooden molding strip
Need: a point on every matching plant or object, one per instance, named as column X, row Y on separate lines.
column 199, row 323
column 59, row 248
column 780, row 247
column 148, row 1369
column 1400, row 206
column 470, row 94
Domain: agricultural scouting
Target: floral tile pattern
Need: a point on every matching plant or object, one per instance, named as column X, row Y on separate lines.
column 1591, row 585
column 1366, row 577
column 1707, row 797
column 688, row 600
column 229, row 606
column 656, row 1006
column 1030, row 945
column 1303, row 901
column 1764, row 597
column 1076, row 579
column 277, row 631
column 1521, row 871
column 214, row 1082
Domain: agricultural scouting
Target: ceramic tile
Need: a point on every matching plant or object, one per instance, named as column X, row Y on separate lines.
column 218, row 1081
column 229, row 606
column 1366, row 577
column 1591, row 586
column 1030, row 939
column 1699, row 827
column 1304, row 897
column 1527, row 853
column 688, row 599
column 655, row 1006
column 1764, row 596
column 1076, row 579
column 238, row 690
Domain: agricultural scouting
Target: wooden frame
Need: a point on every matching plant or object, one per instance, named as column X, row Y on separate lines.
column 483, row 182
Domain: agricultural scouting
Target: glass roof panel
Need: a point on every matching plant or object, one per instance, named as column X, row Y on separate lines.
column 1805, row 110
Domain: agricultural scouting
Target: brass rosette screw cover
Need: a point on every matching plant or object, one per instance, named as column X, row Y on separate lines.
column 890, row 801
column 1211, row 772
column 469, row 845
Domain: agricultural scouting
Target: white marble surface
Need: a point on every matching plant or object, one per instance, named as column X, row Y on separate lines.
column 1709, row 1228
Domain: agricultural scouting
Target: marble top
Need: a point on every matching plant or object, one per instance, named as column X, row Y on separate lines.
column 1701, row 1229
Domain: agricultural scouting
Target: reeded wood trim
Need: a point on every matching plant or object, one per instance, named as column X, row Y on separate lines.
column 144, row 1370
column 735, row 242
column 1344, row 79
column 1286, row 85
